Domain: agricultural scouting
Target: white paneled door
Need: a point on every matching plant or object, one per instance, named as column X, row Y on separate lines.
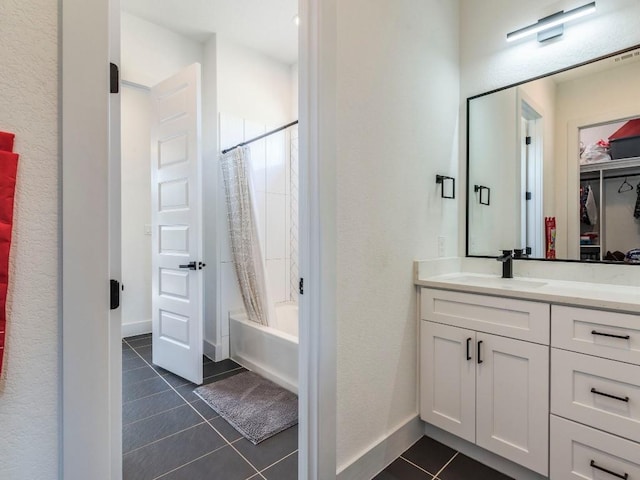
column 176, row 218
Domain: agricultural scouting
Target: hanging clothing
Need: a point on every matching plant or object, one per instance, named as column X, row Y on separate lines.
column 636, row 211
column 588, row 207
column 591, row 207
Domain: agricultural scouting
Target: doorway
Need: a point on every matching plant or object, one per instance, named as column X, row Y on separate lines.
column 134, row 426
column 90, row 42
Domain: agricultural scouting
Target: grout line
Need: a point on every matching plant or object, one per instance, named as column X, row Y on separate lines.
column 417, row 466
column 447, row 464
column 163, row 438
column 154, row 415
column 205, row 420
column 191, row 461
column 276, row 462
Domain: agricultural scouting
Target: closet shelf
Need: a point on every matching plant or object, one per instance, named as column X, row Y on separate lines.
column 632, row 162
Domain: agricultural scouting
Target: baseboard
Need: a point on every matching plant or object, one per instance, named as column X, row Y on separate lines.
column 383, row 452
column 209, row 349
column 136, row 328
column 486, row 457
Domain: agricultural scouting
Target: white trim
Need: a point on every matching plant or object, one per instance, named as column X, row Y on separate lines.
column 209, row 349
column 136, row 328
column 317, row 366
column 384, row 451
column 90, row 425
column 481, row 455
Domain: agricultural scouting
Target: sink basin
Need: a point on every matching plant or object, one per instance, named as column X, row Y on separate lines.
column 498, row 282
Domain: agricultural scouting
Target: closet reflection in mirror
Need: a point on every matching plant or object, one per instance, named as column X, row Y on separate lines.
column 561, row 157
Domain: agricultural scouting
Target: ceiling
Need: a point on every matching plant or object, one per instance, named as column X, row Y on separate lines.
column 263, row 25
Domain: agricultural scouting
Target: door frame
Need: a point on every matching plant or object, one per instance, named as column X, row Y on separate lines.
column 90, row 445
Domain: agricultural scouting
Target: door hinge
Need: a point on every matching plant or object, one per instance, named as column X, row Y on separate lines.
column 527, row 196
column 114, row 78
column 527, row 140
column 114, row 294
column 301, row 286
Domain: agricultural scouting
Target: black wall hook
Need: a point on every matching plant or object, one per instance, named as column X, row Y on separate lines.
column 441, row 179
column 487, row 197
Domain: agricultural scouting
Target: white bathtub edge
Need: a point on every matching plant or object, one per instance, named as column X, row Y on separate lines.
column 268, row 374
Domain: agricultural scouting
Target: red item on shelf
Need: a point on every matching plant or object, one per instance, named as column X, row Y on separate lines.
column 629, row 129
column 8, row 174
column 550, row 237
column 6, row 141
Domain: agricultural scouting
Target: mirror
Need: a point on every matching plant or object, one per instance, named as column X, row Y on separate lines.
column 553, row 165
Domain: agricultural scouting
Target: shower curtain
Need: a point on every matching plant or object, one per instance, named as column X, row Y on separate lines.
column 245, row 243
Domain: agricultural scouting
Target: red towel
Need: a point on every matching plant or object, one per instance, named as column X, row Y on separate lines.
column 8, row 171
column 6, row 141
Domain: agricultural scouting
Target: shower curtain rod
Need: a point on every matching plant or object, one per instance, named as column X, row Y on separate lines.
column 284, row 127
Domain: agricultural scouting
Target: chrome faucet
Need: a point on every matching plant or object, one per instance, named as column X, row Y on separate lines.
column 507, row 263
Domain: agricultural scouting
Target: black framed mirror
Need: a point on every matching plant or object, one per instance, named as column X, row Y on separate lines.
column 560, row 156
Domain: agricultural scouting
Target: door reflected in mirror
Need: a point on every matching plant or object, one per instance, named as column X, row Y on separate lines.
column 559, row 158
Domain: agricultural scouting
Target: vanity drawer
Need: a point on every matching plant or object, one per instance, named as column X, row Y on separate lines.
column 508, row 317
column 601, row 393
column 579, row 452
column 594, row 332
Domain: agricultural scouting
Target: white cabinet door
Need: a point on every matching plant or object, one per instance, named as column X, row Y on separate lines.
column 513, row 400
column 176, row 219
column 448, row 378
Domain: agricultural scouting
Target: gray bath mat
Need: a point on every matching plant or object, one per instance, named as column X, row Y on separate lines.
column 255, row 406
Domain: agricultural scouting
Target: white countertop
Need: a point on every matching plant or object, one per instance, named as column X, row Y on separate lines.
column 592, row 295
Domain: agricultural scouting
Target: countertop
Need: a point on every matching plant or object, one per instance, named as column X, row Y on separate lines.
column 593, row 295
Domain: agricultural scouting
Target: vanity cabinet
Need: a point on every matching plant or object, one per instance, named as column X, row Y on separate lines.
column 485, row 372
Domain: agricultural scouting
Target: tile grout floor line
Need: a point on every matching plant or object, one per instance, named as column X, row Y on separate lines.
column 281, row 460
column 417, row 466
column 194, row 409
column 446, row 464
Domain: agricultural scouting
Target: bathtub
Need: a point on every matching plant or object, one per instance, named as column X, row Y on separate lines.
column 269, row 351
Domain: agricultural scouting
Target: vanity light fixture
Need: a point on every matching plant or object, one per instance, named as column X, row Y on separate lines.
column 552, row 26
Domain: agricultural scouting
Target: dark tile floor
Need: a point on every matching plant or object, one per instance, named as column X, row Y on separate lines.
column 169, row 433
column 428, row 459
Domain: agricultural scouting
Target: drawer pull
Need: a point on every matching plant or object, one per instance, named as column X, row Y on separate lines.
column 622, row 399
column 469, row 348
column 479, row 351
column 623, row 337
column 602, row 469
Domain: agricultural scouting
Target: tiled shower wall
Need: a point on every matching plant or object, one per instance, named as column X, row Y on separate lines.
column 273, row 184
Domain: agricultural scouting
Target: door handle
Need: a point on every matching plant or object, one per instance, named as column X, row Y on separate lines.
column 469, row 348
column 194, row 265
column 479, row 351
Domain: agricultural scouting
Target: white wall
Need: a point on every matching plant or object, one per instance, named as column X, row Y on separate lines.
column 136, row 210
column 397, row 127
column 29, row 388
column 495, row 164
column 150, row 54
column 252, row 85
column 489, row 62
